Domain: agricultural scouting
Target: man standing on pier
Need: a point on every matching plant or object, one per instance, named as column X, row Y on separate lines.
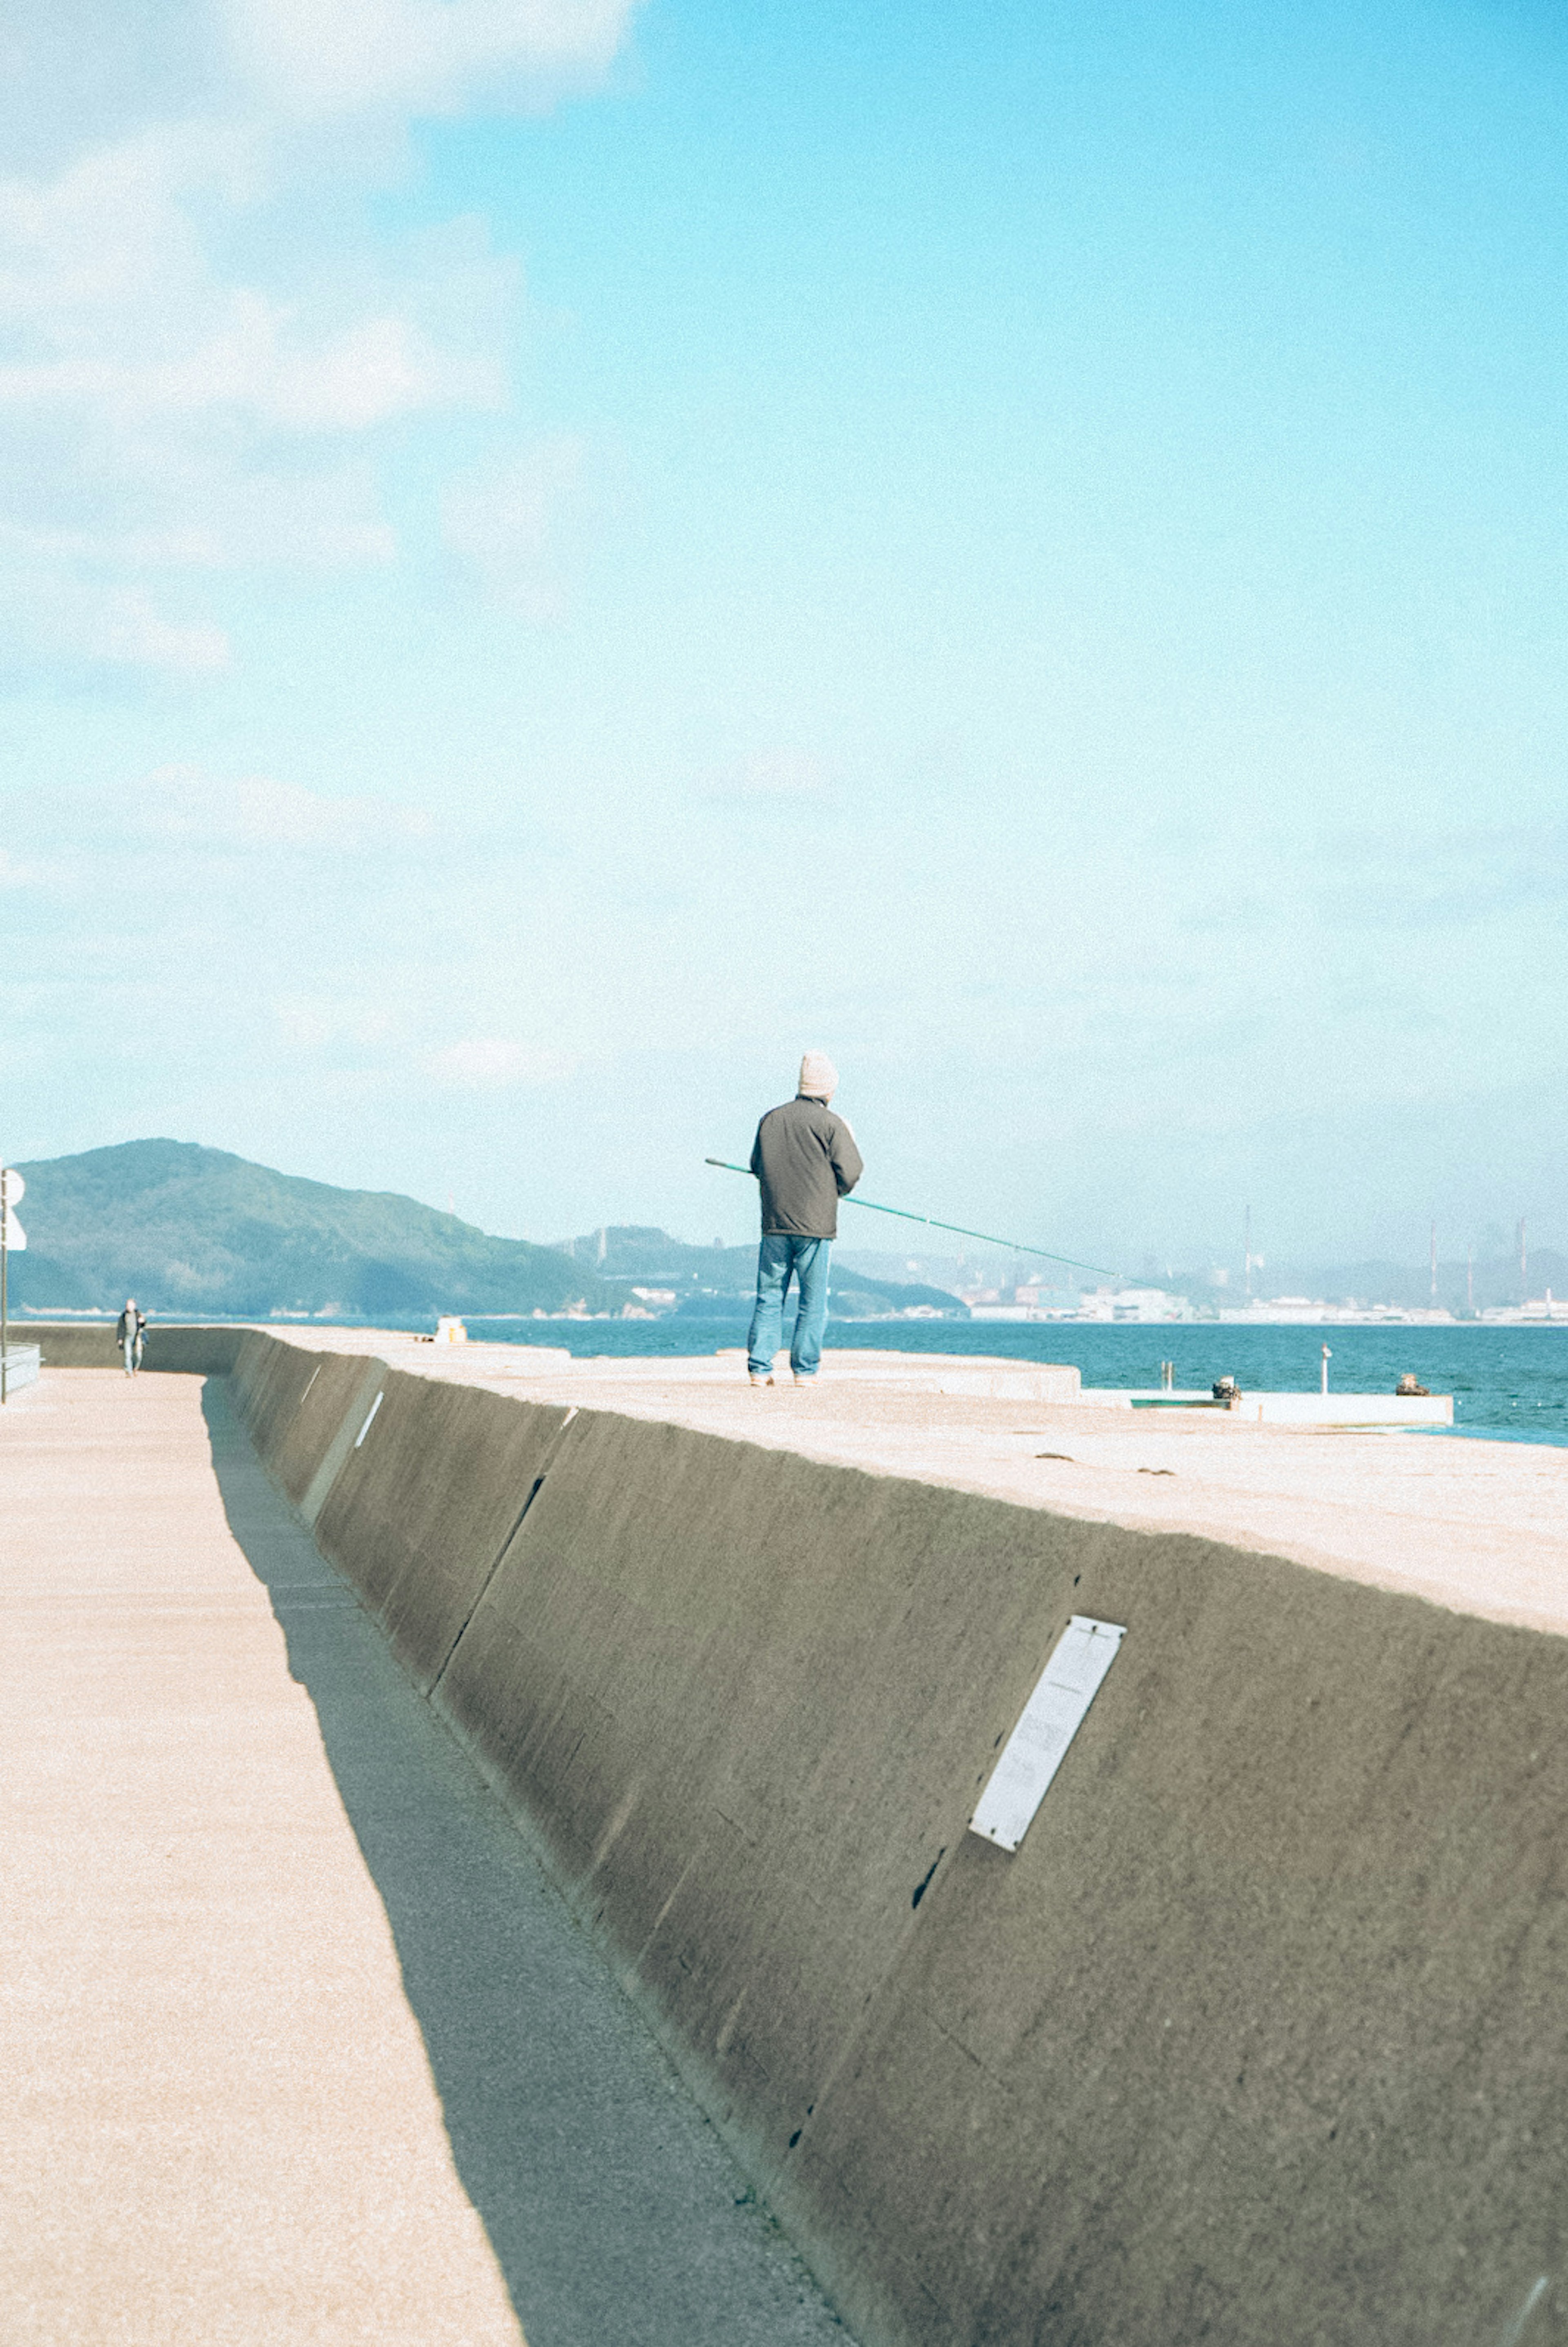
column 130, row 1332
column 805, row 1159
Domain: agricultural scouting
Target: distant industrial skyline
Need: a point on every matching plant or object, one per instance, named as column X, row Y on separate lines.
column 557, row 555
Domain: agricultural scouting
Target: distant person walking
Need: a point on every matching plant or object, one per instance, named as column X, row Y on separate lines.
column 805, row 1159
column 130, row 1332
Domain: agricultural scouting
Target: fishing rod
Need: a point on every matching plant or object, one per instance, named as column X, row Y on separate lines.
column 1016, row 1245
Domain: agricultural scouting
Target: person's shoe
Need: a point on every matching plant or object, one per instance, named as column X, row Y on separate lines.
column 759, row 1381
column 805, row 1384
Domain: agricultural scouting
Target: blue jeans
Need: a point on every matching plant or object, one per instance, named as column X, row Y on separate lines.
column 780, row 1259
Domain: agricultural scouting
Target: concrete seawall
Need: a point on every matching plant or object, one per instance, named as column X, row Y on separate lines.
column 192, row 1349
column 1260, row 2035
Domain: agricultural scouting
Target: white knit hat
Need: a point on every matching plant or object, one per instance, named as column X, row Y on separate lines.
column 818, row 1076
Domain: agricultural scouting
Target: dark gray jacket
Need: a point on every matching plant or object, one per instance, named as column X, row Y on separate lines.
column 804, row 1160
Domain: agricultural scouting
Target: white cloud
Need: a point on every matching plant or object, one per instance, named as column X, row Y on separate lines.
column 52, row 618
column 206, row 517
column 15, row 874
column 121, row 318
column 248, row 365
column 774, row 775
column 335, row 56
column 319, row 1023
column 162, row 420
column 166, row 410
column 183, row 804
column 506, row 520
column 87, row 245
column 486, row 1063
column 125, row 631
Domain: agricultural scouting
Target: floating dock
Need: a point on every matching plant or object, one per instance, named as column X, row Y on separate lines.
column 1317, row 1409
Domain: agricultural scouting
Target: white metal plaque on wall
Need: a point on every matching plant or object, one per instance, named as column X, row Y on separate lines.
column 1037, row 1744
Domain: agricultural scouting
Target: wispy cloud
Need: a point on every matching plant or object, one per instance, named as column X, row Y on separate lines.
column 185, row 805
column 312, row 1023
column 15, row 873
column 166, row 410
column 126, row 630
column 507, row 521
column 772, row 774
column 338, row 57
column 486, row 1062
column 253, row 366
column 1386, row 881
column 52, row 617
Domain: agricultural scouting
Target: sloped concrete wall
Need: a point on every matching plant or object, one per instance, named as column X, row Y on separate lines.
column 1261, row 2034
column 303, row 1410
column 426, row 1508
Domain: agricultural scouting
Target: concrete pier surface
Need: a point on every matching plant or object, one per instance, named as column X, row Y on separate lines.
column 1256, row 2033
column 1479, row 1527
column 299, row 2046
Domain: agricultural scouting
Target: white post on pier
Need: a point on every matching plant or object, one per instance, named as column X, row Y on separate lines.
column 1327, row 1357
column 12, row 1236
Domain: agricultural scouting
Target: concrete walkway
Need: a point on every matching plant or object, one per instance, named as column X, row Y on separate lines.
column 300, row 2047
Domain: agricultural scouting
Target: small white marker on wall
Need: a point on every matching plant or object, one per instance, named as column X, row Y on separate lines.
column 364, row 1429
column 1051, row 1719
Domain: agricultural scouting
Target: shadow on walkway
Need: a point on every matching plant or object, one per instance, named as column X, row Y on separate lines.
column 616, row 2214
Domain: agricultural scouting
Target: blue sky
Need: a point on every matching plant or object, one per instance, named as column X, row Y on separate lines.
column 553, row 555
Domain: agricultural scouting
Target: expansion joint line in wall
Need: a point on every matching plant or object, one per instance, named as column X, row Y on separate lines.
column 535, row 1487
column 854, row 2036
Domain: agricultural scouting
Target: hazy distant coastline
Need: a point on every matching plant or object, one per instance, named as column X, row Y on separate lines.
column 200, row 1232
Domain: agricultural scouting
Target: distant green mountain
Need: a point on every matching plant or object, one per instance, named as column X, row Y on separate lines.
column 719, row 1282
column 186, row 1230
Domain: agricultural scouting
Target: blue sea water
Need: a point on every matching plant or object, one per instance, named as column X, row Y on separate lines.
column 1510, row 1382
